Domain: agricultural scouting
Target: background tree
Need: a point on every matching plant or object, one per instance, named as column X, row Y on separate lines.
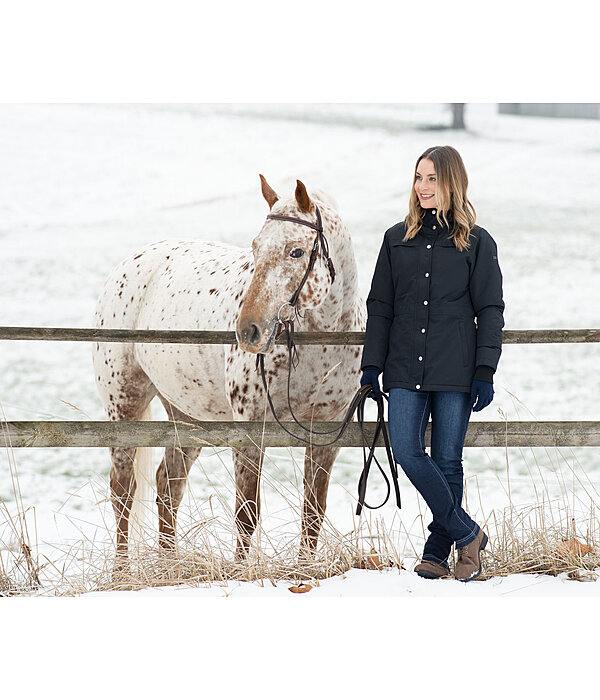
column 458, row 115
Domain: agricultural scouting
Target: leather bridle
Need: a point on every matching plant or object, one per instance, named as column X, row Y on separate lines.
column 357, row 403
column 320, row 246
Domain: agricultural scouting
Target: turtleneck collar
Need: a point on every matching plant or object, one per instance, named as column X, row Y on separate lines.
column 431, row 224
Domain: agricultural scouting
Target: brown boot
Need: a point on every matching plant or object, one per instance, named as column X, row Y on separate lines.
column 430, row 569
column 468, row 564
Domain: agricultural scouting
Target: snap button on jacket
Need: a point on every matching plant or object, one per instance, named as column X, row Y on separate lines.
column 434, row 313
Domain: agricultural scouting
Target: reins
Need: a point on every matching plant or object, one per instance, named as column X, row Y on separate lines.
column 359, row 399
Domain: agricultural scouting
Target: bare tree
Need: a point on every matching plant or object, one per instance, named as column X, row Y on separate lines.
column 458, row 115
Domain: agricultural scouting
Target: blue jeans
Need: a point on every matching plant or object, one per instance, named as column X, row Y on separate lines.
column 439, row 477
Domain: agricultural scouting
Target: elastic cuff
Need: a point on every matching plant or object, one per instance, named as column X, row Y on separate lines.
column 484, row 373
column 362, row 369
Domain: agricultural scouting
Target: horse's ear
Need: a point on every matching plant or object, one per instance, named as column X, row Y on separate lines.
column 302, row 197
column 268, row 192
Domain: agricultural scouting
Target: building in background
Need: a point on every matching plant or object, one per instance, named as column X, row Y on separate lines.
column 577, row 110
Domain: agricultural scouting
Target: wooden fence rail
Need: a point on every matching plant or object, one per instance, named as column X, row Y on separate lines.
column 120, row 335
column 245, row 434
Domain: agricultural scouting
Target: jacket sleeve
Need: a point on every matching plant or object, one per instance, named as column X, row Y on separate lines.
column 485, row 286
column 380, row 312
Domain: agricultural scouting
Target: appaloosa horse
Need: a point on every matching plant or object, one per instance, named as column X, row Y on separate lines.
column 199, row 285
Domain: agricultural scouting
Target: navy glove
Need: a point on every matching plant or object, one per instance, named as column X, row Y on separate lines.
column 483, row 392
column 371, row 376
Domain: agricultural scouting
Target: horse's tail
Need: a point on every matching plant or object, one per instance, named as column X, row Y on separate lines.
column 142, row 519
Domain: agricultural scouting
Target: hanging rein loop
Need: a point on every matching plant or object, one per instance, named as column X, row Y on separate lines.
column 357, row 403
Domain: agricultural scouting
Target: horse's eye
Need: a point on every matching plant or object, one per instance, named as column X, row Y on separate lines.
column 297, row 253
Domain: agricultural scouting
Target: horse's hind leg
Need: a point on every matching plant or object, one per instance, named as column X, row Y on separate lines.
column 318, row 462
column 248, row 463
column 122, row 489
column 126, row 392
column 171, row 478
column 123, row 480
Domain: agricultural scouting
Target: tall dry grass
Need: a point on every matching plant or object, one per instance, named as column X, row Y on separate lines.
column 19, row 565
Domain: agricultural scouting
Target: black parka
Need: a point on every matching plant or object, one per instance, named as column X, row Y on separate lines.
column 435, row 314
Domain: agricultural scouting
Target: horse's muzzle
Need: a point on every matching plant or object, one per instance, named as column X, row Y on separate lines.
column 252, row 338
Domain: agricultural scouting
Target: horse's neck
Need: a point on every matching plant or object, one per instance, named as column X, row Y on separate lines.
column 337, row 312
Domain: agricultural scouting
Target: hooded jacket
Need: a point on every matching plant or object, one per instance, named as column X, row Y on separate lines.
column 435, row 314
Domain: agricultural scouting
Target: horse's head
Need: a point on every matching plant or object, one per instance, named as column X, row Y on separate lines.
column 282, row 251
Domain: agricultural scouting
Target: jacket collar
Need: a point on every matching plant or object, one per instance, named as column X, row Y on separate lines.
column 431, row 228
column 429, row 218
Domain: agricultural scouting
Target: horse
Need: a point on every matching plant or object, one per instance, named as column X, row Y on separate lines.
column 200, row 285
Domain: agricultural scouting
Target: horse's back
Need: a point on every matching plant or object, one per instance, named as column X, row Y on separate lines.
column 175, row 285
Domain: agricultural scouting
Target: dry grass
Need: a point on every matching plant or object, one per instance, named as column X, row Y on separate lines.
column 524, row 544
column 19, row 567
column 207, row 560
column 205, row 556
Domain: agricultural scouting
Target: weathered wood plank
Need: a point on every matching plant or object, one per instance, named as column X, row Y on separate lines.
column 120, row 335
column 19, row 434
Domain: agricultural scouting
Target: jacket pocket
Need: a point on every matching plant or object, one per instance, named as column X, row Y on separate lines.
column 400, row 349
column 405, row 262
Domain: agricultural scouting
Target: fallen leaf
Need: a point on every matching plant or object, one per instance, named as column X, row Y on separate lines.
column 373, row 560
column 302, row 588
column 573, row 546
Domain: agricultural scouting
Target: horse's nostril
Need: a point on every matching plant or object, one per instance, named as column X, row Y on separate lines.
column 254, row 334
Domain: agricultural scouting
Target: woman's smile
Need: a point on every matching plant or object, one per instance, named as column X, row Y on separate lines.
column 425, row 183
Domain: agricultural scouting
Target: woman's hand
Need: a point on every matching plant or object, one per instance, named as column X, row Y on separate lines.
column 371, row 376
column 483, row 392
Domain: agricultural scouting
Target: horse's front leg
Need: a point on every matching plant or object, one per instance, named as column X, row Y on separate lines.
column 318, row 462
column 248, row 464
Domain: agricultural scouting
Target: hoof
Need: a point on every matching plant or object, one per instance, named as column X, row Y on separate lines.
column 122, row 578
column 306, row 555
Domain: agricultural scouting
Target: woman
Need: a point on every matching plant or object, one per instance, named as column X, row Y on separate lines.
column 436, row 272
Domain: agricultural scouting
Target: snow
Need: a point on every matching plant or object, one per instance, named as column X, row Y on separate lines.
column 85, row 185
column 360, row 583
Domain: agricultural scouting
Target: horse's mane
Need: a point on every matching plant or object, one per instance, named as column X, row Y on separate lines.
column 321, row 196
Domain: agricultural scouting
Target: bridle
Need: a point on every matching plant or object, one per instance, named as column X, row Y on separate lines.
column 357, row 403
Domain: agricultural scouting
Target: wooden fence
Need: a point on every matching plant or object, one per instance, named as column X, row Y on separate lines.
column 269, row 434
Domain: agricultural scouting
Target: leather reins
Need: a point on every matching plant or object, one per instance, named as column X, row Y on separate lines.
column 358, row 401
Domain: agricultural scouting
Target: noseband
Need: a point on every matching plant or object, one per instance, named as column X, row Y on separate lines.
column 357, row 403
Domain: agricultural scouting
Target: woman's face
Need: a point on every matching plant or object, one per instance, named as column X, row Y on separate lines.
column 425, row 184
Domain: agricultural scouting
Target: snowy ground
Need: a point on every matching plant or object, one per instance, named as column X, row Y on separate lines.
column 357, row 583
column 85, row 185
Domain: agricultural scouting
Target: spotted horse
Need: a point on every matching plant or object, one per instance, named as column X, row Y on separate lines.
column 202, row 285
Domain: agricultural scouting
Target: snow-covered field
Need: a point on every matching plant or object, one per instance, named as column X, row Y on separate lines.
column 82, row 186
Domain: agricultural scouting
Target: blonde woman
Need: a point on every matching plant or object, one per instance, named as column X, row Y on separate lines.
column 434, row 328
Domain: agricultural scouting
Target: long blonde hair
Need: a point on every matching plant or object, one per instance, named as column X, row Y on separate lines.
column 451, row 195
